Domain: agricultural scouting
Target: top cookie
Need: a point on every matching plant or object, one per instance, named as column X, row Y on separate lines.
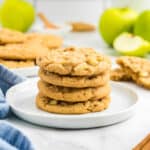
column 119, row 74
column 11, row 36
column 75, row 62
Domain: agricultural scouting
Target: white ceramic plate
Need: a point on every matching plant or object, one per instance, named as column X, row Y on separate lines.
column 21, row 98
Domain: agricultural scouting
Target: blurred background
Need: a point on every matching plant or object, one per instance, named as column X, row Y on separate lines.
column 112, row 27
column 88, row 10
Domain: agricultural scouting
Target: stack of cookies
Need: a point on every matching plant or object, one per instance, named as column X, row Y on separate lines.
column 73, row 81
column 20, row 50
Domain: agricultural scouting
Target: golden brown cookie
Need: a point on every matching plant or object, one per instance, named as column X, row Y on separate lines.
column 72, row 81
column 75, row 62
column 82, row 27
column 119, row 74
column 60, row 107
column 22, row 51
column 17, row 64
column 50, row 41
column 8, row 36
column 137, row 68
column 73, row 94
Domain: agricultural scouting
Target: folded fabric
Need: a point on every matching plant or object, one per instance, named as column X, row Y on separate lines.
column 7, row 79
column 13, row 139
column 10, row 138
column 4, row 107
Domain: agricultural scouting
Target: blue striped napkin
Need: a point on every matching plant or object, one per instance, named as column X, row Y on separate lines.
column 10, row 137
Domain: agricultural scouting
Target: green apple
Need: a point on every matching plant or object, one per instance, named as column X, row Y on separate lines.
column 142, row 25
column 115, row 21
column 131, row 45
column 17, row 14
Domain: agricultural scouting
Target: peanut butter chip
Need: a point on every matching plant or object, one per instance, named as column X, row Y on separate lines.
column 144, row 74
column 53, row 102
column 92, row 61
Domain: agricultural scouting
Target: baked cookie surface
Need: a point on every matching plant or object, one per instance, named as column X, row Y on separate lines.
column 72, row 81
column 137, row 68
column 17, row 64
column 50, row 105
column 11, row 36
column 119, row 74
column 73, row 94
column 75, row 62
column 22, row 51
column 50, row 41
column 135, row 64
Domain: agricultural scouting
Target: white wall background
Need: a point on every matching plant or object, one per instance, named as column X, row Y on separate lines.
column 85, row 10
column 68, row 10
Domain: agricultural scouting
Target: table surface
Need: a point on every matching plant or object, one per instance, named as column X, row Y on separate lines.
column 122, row 136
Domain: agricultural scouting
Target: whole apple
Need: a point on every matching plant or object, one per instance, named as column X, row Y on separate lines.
column 17, row 14
column 142, row 25
column 115, row 21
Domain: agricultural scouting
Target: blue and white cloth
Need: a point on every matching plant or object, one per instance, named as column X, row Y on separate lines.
column 10, row 137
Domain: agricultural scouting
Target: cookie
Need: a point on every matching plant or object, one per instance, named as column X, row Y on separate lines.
column 73, row 94
column 22, row 51
column 82, row 27
column 50, row 41
column 72, row 81
column 74, row 62
column 17, row 64
column 60, row 107
column 119, row 74
column 137, row 68
column 8, row 36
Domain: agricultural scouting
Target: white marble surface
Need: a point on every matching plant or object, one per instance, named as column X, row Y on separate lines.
column 122, row 136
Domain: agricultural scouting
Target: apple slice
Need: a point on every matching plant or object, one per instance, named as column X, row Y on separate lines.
column 131, row 45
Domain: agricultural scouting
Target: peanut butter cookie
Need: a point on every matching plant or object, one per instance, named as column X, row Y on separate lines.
column 72, row 81
column 137, row 68
column 50, row 41
column 75, row 62
column 22, row 51
column 17, row 64
column 60, row 107
column 73, row 94
column 8, row 36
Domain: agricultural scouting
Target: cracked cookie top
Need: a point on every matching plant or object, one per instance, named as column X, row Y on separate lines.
column 74, row 61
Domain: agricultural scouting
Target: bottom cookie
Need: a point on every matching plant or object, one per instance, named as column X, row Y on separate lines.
column 61, row 107
column 17, row 64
